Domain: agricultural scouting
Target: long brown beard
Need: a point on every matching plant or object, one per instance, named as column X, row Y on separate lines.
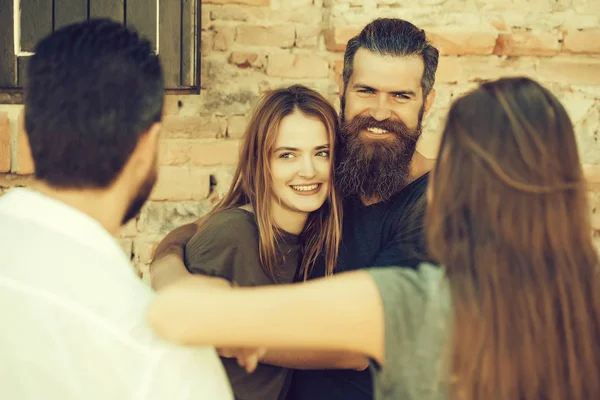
column 376, row 168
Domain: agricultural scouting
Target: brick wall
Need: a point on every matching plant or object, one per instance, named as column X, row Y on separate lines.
column 249, row 46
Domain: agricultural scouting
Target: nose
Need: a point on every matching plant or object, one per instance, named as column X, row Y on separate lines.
column 307, row 168
column 380, row 110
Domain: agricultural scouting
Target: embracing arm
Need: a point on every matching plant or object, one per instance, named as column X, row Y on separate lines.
column 342, row 313
column 315, row 359
column 167, row 265
column 176, row 240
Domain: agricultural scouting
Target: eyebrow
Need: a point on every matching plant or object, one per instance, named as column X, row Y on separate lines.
column 286, row 148
column 396, row 92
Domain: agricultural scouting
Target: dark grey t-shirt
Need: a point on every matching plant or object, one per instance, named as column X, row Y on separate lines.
column 416, row 305
column 227, row 246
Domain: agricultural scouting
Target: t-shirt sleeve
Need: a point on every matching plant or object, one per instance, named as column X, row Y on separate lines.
column 415, row 305
column 227, row 247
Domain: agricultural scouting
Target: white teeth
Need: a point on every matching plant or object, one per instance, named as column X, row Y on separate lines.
column 376, row 130
column 306, row 188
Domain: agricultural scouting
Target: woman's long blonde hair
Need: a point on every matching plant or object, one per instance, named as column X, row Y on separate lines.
column 252, row 181
column 509, row 220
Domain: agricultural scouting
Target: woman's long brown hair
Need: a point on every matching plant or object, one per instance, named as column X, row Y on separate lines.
column 252, row 179
column 508, row 217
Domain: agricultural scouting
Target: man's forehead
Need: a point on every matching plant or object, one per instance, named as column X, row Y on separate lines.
column 387, row 73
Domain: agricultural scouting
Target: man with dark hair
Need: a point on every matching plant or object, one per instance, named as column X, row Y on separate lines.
column 387, row 89
column 73, row 308
column 388, row 78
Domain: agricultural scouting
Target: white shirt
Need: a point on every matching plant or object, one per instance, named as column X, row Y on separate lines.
column 73, row 315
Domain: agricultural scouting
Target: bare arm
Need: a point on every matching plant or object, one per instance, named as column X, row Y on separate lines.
column 342, row 313
column 176, row 240
column 315, row 359
column 167, row 265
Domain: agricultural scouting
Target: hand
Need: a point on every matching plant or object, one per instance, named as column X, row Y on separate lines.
column 246, row 357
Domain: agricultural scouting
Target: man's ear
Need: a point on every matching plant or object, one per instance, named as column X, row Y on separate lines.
column 429, row 101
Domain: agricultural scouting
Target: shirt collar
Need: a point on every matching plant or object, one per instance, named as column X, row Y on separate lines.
column 33, row 206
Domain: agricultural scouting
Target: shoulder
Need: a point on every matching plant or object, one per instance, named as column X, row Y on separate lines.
column 234, row 217
column 230, row 224
column 410, row 202
column 417, row 314
column 413, row 192
column 224, row 231
column 415, row 288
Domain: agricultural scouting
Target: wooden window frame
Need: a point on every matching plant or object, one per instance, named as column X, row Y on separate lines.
column 190, row 51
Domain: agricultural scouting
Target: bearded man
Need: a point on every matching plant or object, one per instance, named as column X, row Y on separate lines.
column 388, row 77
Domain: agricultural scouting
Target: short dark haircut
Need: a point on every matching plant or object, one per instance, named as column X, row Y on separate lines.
column 394, row 37
column 93, row 88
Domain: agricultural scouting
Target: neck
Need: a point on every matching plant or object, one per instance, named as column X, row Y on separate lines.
column 419, row 166
column 288, row 220
column 103, row 205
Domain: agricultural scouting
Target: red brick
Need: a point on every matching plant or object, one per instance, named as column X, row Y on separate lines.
column 287, row 65
column 448, row 41
column 275, row 35
column 181, row 183
column 586, row 41
column 244, row 59
column 527, row 44
column 25, row 163
column 461, row 42
column 4, row 143
column 224, row 37
column 174, row 152
column 476, row 69
column 337, row 38
column 243, row 2
column 572, row 70
column 236, row 126
column 222, row 152
column 195, row 127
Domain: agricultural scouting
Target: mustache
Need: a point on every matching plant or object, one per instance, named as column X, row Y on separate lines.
column 359, row 122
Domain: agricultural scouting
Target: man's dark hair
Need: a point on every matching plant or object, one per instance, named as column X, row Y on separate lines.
column 92, row 89
column 394, row 37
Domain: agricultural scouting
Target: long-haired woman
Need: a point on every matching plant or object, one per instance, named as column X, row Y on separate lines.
column 279, row 215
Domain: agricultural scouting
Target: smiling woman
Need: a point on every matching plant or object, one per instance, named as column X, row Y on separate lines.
column 280, row 213
column 301, row 170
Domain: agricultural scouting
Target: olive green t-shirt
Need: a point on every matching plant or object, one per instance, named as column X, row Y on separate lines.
column 417, row 309
column 227, row 246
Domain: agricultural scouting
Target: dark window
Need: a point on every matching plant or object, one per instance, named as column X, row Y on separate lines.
column 173, row 26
